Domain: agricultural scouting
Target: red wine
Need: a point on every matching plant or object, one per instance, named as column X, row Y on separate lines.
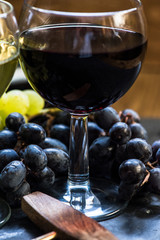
column 81, row 68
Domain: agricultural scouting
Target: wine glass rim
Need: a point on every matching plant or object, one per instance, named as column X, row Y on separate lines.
column 8, row 11
column 85, row 14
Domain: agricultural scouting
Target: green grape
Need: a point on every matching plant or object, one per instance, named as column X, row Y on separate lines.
column 17, row 101
column 1, row 124
column 3, row 116
column 3, row 101
column 3, row 107
column 36, row 102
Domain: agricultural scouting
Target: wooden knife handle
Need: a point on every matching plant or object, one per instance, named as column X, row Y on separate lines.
column 51, row 214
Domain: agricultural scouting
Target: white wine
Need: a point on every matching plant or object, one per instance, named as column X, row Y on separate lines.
column 8, row 64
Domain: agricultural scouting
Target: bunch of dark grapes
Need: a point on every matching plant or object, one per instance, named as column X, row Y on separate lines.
column 29, row 159
column 118, row 148
column 131, row 161
column 34, row 154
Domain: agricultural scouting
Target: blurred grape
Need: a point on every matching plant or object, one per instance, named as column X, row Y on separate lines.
column 17, row 101
column 36, row 102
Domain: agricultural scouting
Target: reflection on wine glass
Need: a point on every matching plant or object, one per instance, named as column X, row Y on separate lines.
column 81, row 57
column 9, row 34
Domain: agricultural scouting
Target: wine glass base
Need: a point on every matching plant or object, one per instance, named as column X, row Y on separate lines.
column 5, row 212
column 99, row 201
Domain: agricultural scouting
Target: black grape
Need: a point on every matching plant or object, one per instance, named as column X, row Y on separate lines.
column 57, row 160
column 101, row 157
column 120, row 133
column 53, row 143
column 132, row 171
column 12, row 176
column 8, row 139
column 106, row 118
column 138, row 131
column 14, row 198
column 154, row 181
column 94, row 131
column 14, row 121
column 127, row 191
column 129, row 116
column 7, row 156
column 60, row 132
column 32, row 133
column 139, row 148
column 35, row 158
column 45, row 178
column 155, row 147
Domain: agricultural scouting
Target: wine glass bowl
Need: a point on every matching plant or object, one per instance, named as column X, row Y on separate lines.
column 9, row 52
column 82, row 57
column 91, row 75
column 8, row 44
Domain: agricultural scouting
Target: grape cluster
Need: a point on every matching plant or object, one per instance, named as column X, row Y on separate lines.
column 29, row 159
column 34, row 150
column 124, row 154
column 26, row 102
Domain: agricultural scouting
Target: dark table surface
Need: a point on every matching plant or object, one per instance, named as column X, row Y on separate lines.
column 139, row 221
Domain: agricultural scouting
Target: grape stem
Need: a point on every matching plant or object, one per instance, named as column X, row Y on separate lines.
column 145, row 180
column 128, row 118
column 151, row 164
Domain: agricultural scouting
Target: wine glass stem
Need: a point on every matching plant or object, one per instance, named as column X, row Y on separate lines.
column 78, row 173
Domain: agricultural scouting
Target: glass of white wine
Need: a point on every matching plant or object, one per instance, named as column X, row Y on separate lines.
column 9, row 52
column 8, row 44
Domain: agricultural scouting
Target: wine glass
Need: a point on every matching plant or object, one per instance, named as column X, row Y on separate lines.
column 9, row 52
column 8, row 45
column 82, row 56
